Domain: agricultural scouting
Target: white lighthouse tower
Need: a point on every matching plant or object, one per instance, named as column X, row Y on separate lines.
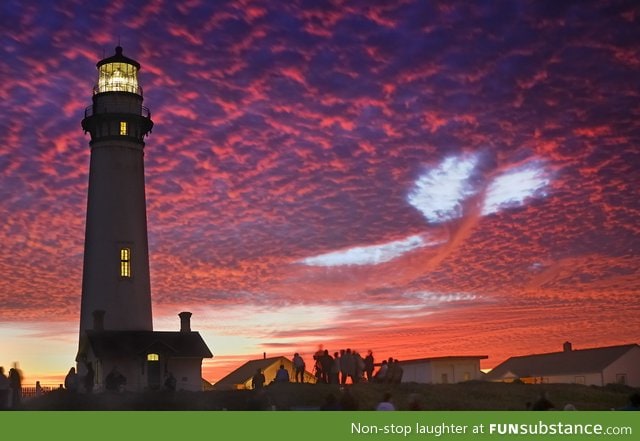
column 115, row 282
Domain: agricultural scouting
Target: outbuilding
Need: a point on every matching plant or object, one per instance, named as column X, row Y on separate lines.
column 592, row 366
column 442, row 370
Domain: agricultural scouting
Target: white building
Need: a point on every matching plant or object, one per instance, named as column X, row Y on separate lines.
column 593, row 366
column 442, row 370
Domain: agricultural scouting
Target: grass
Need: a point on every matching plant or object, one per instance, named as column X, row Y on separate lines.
column 463, row 396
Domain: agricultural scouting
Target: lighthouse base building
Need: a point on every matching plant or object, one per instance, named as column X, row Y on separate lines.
column 147, row 360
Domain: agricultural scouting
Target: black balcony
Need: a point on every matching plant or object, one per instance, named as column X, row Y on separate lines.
column 144, row 112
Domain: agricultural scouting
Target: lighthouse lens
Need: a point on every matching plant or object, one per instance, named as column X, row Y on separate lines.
column 118, row 77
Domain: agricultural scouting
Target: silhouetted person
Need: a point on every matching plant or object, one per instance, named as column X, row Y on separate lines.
column 368, row 365
column 542, row 403
column 381, row 375
column 386, row 403
column 38, row 389
column 334, row 374
column 343, row 366
column 326, row 361
column 89, row 378
column 348, row 362
column 317, row 357
column 391, row 371
column 282, row 376
column 71, row 381
column 299, row 366
column 4, row 389
column 634, row 402
column 115, row 381
column 358, row 374
column 397, row 372
column 170, row 382
column 257, row 382
column 15, row 384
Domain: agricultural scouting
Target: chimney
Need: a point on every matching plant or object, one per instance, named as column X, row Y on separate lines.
column 185, row 321
column 98, row 320
column 567, row 346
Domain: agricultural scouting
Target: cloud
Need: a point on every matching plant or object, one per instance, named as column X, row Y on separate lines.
column 438, row 298
column 369, row 255
column 439, row 194
column 514, row 187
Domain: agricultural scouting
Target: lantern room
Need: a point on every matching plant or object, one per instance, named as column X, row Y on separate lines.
column 118, row 74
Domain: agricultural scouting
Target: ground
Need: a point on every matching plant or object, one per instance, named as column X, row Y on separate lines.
column 463, row 396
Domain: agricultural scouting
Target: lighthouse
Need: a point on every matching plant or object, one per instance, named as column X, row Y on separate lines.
column 115, row 278
column 116, row 323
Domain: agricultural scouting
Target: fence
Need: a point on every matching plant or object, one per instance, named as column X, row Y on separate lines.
column 30, row 391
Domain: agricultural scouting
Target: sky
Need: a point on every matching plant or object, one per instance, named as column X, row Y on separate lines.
column 416, row 178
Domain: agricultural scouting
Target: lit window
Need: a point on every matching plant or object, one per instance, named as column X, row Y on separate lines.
column 125, row 262
column 153, row 357
column 123, row 127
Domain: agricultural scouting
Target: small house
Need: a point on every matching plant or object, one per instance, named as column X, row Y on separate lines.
column 442, row 370
column 242, row 377
column 593, row 366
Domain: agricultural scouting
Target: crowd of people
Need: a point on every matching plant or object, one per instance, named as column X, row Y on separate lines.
column 349, row 366
column 343, row 367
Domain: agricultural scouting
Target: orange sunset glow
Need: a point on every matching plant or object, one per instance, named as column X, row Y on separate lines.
column 421, row 179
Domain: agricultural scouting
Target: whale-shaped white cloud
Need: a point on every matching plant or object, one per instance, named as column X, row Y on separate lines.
column 370, row 254
column 440, row 194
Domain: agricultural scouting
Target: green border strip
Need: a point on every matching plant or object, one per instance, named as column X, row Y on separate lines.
column 370, row 425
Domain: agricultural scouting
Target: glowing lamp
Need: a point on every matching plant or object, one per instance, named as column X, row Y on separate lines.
column 118, row 74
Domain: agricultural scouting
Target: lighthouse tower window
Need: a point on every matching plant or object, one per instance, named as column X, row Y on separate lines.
column 125, row 262
column 123, row 127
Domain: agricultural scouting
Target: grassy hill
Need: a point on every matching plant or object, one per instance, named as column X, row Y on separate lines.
column 463, row 396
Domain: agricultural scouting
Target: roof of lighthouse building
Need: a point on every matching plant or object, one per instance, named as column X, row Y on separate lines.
column 136, row 343
column 118, row 58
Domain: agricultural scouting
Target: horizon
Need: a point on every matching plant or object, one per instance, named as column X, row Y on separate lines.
column 417, row 179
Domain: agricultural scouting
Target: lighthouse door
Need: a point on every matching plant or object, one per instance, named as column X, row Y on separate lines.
column 153, row 371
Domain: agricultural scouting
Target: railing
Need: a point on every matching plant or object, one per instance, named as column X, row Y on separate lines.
column 144, row 112
column 31, row 391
